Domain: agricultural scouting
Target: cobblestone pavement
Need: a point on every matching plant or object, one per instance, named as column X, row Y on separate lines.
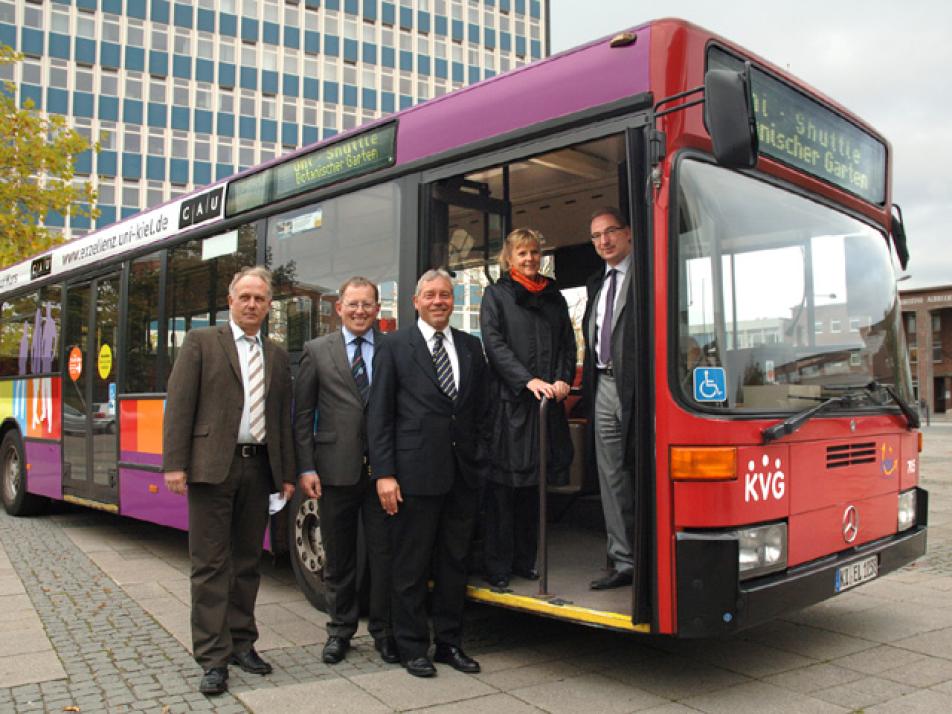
column 94, row 617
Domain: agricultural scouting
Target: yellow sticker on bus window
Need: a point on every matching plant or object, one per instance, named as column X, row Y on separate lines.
column 105, row 361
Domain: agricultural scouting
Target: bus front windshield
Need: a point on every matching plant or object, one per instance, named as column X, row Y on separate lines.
column 780, row 299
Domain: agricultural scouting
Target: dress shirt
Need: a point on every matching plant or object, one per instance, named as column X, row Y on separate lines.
column 622, row 269
column 428, row 335
column 244, row 352
column 366, row 350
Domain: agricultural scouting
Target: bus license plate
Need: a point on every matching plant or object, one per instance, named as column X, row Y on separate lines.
column 848, row 576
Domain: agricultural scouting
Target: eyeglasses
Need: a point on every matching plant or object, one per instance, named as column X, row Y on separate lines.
column 365, row 306
column 607, row 233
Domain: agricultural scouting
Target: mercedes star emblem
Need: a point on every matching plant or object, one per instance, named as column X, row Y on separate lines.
column 850, row 524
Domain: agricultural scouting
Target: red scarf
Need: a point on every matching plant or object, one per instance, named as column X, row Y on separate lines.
column 533, row 285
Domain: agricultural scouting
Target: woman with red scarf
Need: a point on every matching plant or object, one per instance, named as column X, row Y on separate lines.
column 530, row 345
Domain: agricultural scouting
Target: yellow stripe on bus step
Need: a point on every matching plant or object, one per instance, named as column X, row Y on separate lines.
column 572, row 613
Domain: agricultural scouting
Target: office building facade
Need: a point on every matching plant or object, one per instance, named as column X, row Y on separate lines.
column 186, row 92
column 927, row 319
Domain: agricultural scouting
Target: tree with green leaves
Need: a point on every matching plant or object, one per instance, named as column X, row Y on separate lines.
column 37, row 169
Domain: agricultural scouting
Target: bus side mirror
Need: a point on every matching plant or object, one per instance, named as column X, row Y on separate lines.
column 729, row 117
column 898, row 233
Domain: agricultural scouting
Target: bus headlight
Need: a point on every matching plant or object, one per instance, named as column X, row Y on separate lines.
column 761, row 550
column 907, row 510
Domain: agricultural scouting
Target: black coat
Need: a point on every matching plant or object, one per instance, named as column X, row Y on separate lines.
column 526, row 335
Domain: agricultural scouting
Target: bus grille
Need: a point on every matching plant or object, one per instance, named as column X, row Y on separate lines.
column 844, row 455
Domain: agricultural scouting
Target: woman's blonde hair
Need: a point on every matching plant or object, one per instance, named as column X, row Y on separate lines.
column 518, row 237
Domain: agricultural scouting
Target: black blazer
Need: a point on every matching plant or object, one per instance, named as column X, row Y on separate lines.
column 416, row 433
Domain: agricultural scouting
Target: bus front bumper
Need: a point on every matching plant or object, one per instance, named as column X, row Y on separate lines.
column 712, row 602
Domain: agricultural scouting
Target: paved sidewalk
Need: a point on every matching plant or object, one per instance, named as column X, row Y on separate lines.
column 94, row 615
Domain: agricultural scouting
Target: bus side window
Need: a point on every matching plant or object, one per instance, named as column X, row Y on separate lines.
column 142, row 325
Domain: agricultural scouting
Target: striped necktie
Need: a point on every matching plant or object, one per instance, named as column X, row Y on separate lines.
column 255, row 390
column 444, row 370
column 359, row 370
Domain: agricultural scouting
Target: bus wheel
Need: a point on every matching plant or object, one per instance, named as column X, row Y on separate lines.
column 307, row 548
column 16, row 501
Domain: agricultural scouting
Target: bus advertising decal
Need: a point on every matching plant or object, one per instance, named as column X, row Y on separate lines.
column 201, row 208
column 75, row 365
column 105, row 361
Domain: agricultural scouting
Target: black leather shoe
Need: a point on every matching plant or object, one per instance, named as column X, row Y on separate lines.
column 527, row 573
column 614, row 579
column 387, row 647
column 456, row 658
column 250, row 661
column 335, row 649
column 214, row 681
column 420, row 667
column 499, row 582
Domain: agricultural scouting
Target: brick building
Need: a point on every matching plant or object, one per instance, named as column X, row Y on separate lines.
column 927, row 320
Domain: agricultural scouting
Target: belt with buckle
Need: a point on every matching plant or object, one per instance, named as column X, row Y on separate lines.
column 606, row 371
column 248, row 451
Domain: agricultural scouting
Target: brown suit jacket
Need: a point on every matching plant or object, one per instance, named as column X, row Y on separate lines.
column 204, row 403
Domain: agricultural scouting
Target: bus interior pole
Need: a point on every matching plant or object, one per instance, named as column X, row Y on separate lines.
column 543, row 468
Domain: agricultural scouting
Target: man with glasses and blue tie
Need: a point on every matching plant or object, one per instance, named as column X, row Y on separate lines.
column 333, row 388
column 427, row 425
column 604, row 384
column 227, row 443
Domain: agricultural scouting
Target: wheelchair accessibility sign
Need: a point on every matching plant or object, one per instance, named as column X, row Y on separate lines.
column 710, row 384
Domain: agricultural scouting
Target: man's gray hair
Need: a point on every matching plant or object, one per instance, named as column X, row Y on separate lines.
column 256, row 271
column 433, row 274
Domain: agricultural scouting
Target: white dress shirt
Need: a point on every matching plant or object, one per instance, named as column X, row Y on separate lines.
column 622, row 269
column 428, row 335
column 244, row 352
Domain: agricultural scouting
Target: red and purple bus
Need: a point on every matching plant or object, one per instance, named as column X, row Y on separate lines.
column 774, row 453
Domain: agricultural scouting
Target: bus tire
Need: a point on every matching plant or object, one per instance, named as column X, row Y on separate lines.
column 306, row 548
column 16, row 500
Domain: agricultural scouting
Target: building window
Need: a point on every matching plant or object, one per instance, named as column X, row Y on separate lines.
column 818, row 326
column 835, row 326
column 854, row 324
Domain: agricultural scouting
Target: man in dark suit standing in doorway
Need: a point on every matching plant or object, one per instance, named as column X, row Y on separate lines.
column 606, row 328
column 227, row 443
column 427, row 426
column 333, row 384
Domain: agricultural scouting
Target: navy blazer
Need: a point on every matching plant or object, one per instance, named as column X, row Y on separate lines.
column 416, row 433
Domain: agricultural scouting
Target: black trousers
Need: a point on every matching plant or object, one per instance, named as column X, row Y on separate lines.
column 430, row 537
column 511, row 530
column 342, row 508
column 226, row 525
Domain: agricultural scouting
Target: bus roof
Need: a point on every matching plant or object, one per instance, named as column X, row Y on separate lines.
column 589, row 76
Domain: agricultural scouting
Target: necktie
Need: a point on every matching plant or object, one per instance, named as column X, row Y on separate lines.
column 359, row 370
column 605, row 335
column 444, row 370
column 255, row 390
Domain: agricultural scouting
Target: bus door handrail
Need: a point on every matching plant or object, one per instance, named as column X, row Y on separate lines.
column 543, row 546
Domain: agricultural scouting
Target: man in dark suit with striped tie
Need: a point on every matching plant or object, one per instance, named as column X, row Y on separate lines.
column 427, row 427
column 227, row 443
column 333, row 385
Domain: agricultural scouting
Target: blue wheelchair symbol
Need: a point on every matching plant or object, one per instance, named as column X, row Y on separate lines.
column 710, row 384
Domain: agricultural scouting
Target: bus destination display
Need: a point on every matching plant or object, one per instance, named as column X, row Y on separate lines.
column 361, row 154
column 800, row 132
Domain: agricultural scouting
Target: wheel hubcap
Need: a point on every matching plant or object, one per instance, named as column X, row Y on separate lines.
column 307, row 537
column 11, row 475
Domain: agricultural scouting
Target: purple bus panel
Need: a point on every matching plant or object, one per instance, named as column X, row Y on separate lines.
column 142, row 495
column 561, row 85
column 45, row 476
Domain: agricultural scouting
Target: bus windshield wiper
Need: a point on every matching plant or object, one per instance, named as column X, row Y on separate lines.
column 795, row 421
column 912, row 416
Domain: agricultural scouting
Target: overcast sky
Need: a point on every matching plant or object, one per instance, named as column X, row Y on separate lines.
column 889, row 61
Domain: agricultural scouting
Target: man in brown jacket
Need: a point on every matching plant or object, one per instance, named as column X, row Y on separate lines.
column 227, row 443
